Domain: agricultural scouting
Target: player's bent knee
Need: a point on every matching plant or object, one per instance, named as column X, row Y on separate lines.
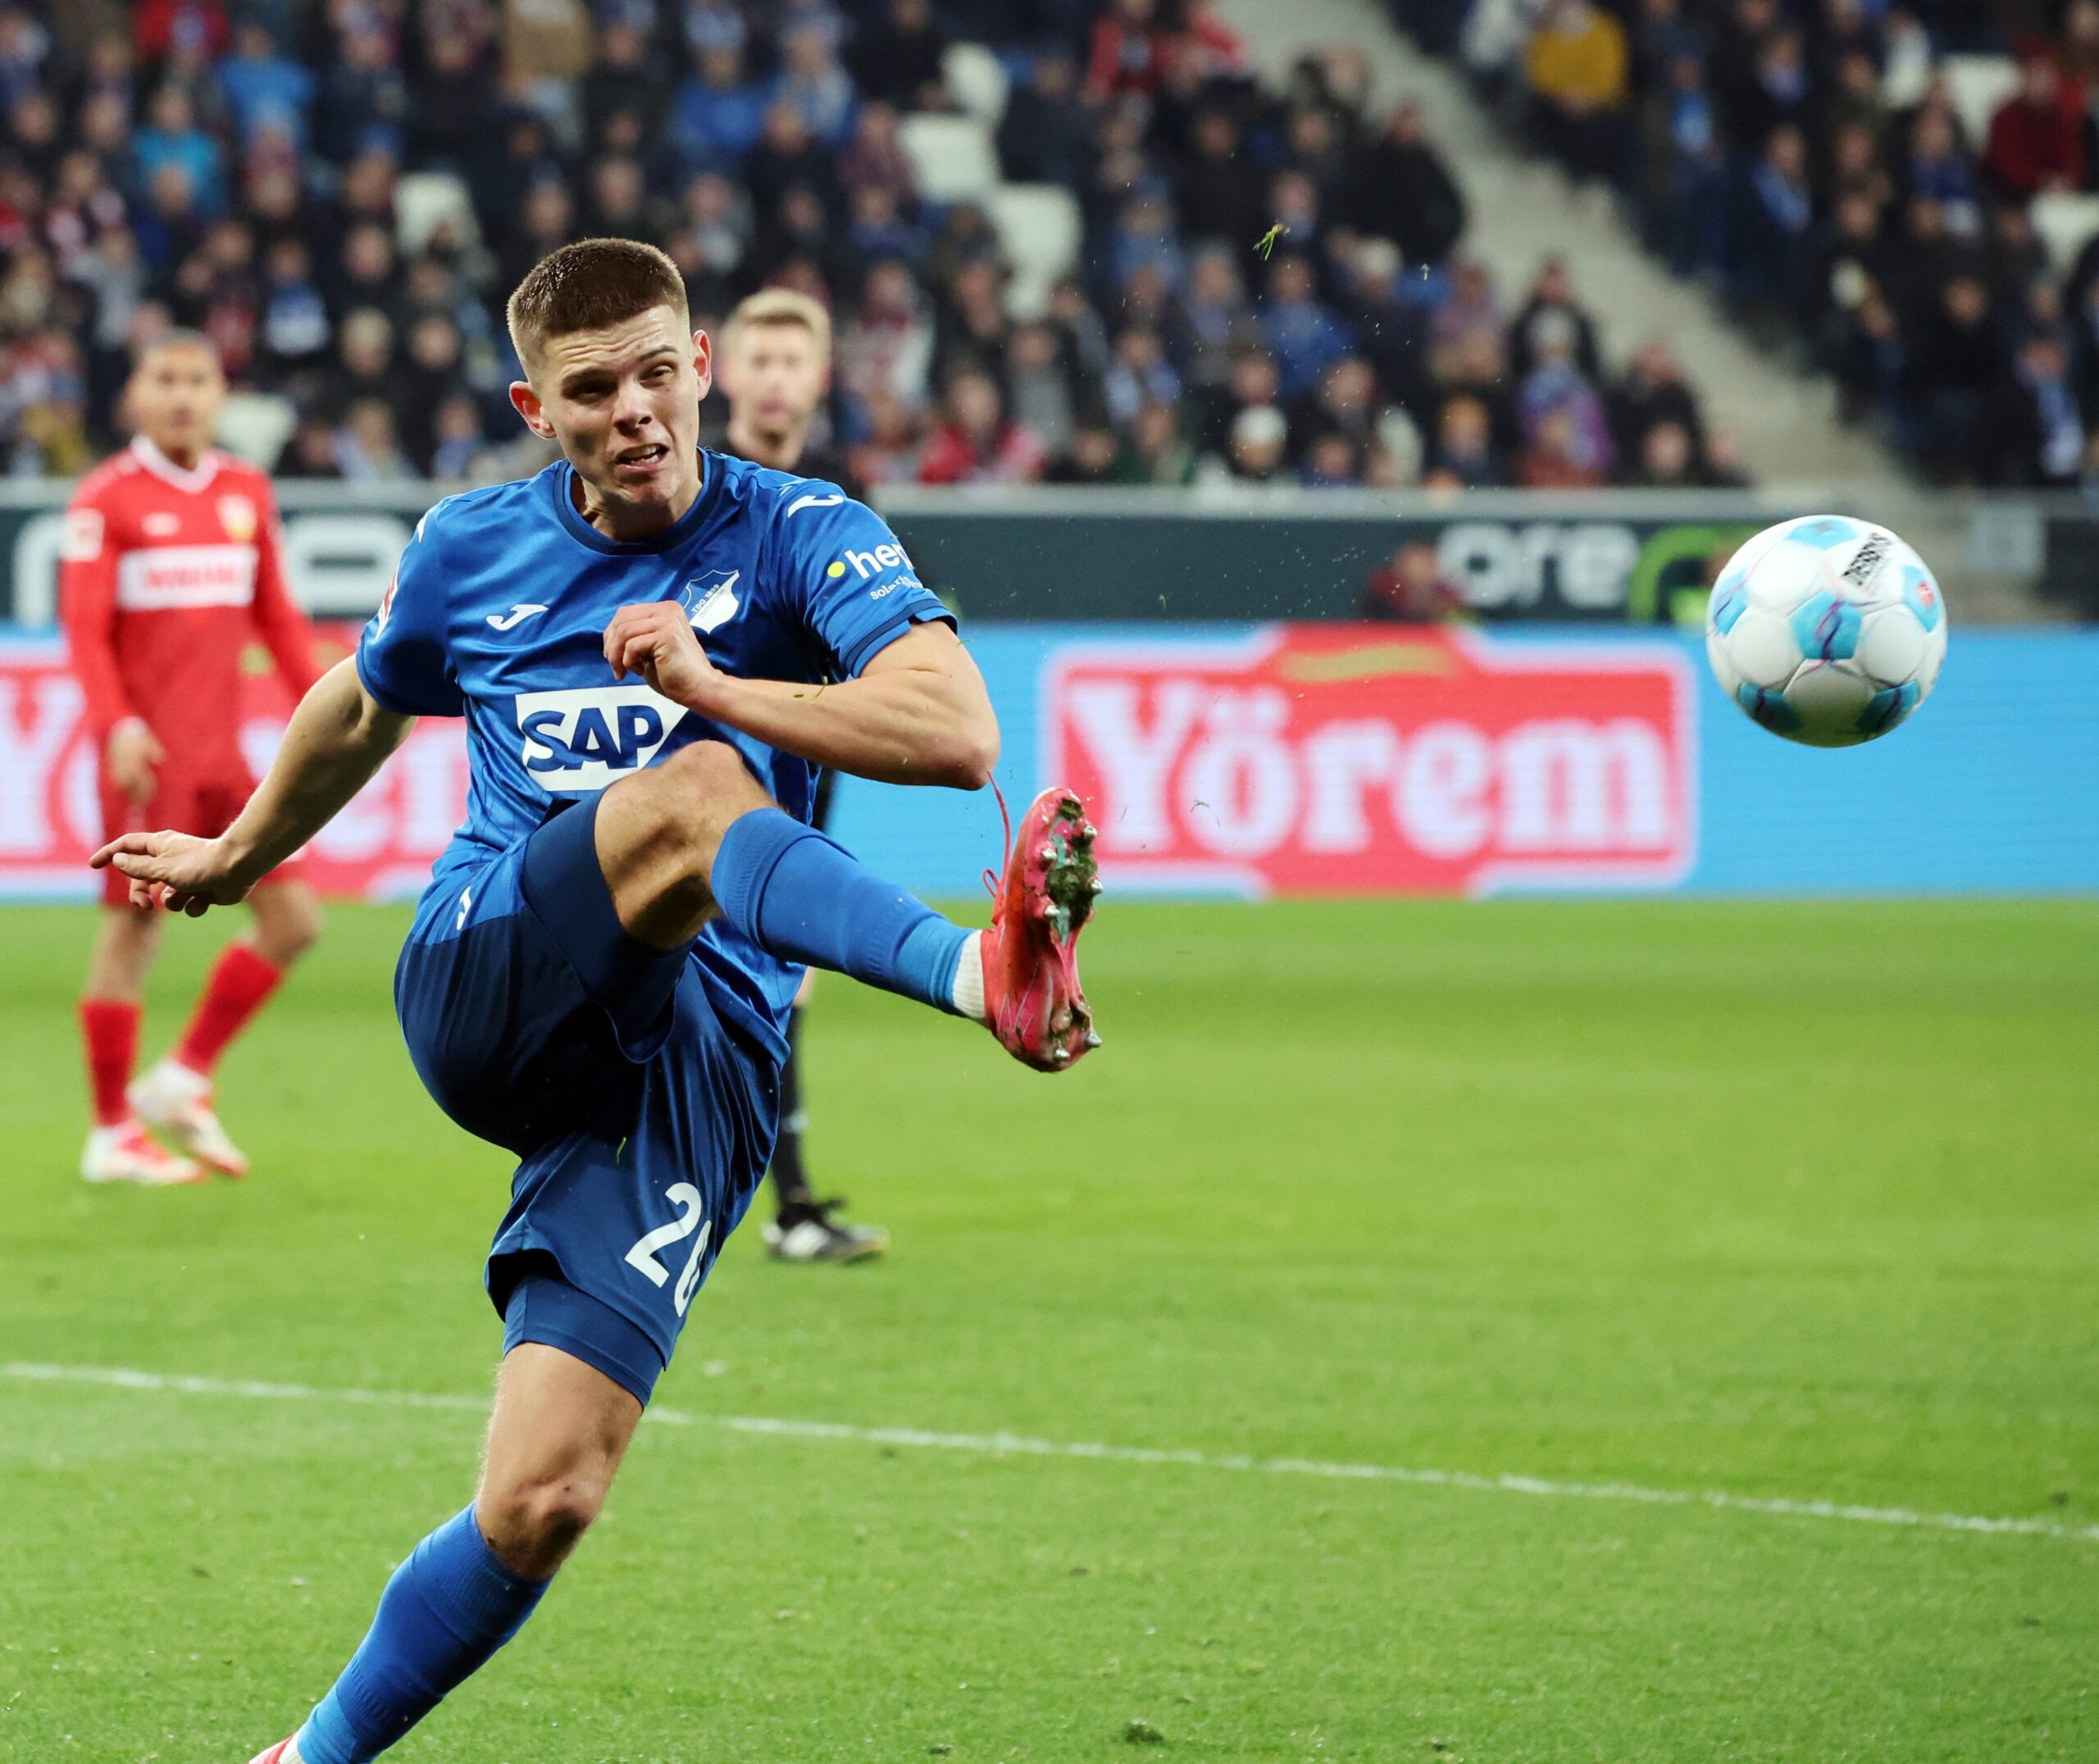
column 532, row 1523
column 709, row 784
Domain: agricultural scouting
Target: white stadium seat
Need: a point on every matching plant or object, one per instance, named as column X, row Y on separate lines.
column 424, row 200
column 1979, row 84
column 2064, row 224
column 255, row 426
column 1039, row 226
column 953, row 156
column 976, row 80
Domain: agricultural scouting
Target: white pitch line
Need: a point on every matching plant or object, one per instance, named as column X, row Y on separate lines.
column 1021, row 1445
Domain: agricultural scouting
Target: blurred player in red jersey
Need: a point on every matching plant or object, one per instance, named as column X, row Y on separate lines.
column 172, row 563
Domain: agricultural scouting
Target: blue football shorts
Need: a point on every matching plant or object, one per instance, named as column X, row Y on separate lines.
column 644, row 1120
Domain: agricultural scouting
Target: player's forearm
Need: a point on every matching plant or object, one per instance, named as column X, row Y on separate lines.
column 337, row 737
column 908, row 725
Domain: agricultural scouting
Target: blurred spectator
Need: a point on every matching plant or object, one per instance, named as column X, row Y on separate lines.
column 311, row 452
column 1129, row 52
column 1562, row 414
column 1402, row 190
column 1409, row 587
column 171, row 139
column 1038, row 389
column 897, row 58
column 1047, row 135
column 974, row 443
column 888, row 453
column 1464, row 457
column 365, row 450
column 262, row 88
column 814, row 84
column 1303, row 335
column 1091, row 457
column 1668, row 459
column 1954, row 365
column 1260, row 436
column 2035, row 426
column 716, row 115
column 876, row 158
column 2037, row 137
column 1157, row 451
column 1577, row 64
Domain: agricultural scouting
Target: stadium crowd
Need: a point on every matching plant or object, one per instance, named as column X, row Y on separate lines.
column 1808, row 157
column 1272, row 285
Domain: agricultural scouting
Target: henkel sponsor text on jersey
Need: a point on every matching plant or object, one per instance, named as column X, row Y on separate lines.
column 1360, row 760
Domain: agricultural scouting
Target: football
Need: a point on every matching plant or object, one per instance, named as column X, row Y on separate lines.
column 1826, row 631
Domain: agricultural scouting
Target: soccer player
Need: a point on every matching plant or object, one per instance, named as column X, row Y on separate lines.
column 171, row 564
column 599, row 976
column 775, row 366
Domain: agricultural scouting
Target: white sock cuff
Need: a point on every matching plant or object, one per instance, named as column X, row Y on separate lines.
column 969, row 980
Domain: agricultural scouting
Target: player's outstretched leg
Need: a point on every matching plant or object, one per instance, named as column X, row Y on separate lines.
column 175, row 1094
column 698, row 833
column 558, row 1433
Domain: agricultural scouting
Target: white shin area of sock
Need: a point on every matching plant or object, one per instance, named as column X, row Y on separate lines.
column 969, row 980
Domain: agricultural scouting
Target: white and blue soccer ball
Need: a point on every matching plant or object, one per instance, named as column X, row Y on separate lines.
column 1826, row 631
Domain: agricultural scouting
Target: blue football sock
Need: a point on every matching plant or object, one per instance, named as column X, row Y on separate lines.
column 448, row 1607
column 805, row 898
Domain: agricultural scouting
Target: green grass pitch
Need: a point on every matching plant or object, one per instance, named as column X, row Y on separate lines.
column 1795, row 1203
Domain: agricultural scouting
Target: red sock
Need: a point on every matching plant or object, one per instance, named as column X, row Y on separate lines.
column 241, row 982
column 109, row 1029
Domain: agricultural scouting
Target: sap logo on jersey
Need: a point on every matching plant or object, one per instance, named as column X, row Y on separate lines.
column 584, row 739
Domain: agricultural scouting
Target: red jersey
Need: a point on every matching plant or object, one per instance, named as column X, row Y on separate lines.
column 165, row 577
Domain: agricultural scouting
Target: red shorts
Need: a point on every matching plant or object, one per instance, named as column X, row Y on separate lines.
column 204, row 808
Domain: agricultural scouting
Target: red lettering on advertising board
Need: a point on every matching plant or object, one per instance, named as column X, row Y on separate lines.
column 381, row 847
column 1352, row 759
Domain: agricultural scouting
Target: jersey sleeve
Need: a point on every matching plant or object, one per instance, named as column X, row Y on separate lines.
column 403, row 658
column 848, row 576
column 87, row 591
column 279, row 623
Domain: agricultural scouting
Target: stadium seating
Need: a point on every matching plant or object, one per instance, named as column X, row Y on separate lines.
column 1906, row 199
column 1162, row 269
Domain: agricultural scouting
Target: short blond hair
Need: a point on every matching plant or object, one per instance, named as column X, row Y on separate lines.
column 779, row 306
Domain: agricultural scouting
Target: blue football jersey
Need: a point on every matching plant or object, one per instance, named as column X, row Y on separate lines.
column 498, row 612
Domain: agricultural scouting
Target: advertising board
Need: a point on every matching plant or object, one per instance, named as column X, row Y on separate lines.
column 1264, row 761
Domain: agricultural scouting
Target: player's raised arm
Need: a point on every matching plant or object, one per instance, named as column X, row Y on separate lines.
column 917, row 713
column 337, row 737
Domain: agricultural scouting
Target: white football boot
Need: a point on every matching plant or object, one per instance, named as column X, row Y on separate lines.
column 127, row 1153
column 818, row 1235
column 178, row 1101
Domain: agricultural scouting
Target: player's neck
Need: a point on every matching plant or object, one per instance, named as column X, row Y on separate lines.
column 182, row 457
column 629, row 526
column 779, row 452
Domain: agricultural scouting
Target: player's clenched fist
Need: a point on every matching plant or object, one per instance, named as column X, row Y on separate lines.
column 176, row 871
column 657, row 641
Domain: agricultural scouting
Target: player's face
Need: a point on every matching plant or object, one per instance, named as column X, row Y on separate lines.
column 175, row 395
column 624, row 404
column 775, row 377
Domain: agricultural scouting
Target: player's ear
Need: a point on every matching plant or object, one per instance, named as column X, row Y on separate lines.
column 703, row 360
column 526, row 401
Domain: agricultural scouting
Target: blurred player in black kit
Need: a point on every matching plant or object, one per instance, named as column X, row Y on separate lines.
column 773, row 360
